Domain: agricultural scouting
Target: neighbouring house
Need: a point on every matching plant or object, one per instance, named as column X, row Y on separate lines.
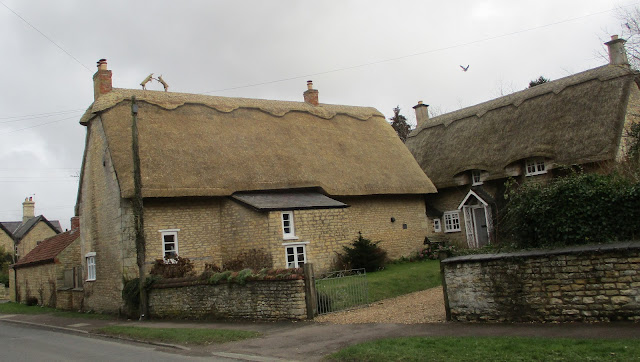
column 50, row 272
column 533, row 134
column 20, row 237
column 221, row 176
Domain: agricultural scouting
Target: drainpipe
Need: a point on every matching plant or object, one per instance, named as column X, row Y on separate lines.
column 138, row 210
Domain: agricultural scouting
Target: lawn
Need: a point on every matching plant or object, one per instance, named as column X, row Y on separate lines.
column 179, row 335
column 17, row 308
column 403, row 278
column 490, row 349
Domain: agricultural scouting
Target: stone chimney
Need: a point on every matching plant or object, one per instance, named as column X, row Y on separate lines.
column 311, row 95
column 422, row 113
column 617, row 53
column 101, row 80
column 28, row 209
column 75, row 222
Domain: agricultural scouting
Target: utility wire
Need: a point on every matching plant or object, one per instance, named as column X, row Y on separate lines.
column 46, row 37
column 37, row 125
column 37, row 115
column 415, row 54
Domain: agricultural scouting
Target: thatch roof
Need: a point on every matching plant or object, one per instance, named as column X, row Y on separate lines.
column 573, row 120
column 196, row 145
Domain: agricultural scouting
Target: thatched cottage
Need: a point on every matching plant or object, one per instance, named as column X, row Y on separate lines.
column 219, row 176
column 50, row 272
column 20, row 237
column 528, row 135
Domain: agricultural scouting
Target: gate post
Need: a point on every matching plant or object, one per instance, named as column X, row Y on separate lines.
column 447, row 309
column 310, row 291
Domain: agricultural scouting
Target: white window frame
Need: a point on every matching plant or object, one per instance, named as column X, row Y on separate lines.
column 291, row 234
column 164, row 233
column 91, row 266
column 437, row 225
column 476, row 178
column 535, row 166
column 296, row 259
column 451, row 221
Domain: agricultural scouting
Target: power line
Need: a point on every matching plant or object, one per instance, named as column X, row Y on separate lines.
column 39, row 115
column 37, row 125
column 46, row 37
column 415, row 54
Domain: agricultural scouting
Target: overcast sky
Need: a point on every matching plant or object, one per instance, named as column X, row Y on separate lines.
column 364, row 53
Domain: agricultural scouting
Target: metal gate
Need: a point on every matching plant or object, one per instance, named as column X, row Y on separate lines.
column 343, row 289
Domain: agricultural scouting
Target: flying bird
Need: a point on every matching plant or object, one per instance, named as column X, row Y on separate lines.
column 464, row 68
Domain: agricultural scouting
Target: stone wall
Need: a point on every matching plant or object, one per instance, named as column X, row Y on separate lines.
column 264, row 300
column 105, row 225
column 38, row 233
column 37, row 281
column 588, row 283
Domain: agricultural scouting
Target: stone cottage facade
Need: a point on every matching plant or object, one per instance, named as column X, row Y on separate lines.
column 20, row 237
column 220, row 176
column 50, row 271
column 533, row 134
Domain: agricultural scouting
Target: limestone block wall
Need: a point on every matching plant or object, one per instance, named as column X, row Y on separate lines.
column 588, row 283
column 37, row 281
column 372, row 216
column 198, row 221
column 106, row 225
column 262, row 300
column 6, row 242
column 38, row 233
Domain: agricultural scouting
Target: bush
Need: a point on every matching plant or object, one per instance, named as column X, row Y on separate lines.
column 363, row 253
column 255, row 259
column 432, row 251
column 31, row 301
column 178, row 267
column 571, row 210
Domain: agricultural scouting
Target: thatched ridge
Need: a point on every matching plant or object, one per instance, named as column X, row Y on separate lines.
column 195, row 145
column 573, row 120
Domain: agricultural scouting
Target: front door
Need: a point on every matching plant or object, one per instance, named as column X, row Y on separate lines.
column 480, row 226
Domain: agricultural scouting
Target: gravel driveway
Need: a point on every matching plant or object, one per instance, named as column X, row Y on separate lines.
column 426, row 306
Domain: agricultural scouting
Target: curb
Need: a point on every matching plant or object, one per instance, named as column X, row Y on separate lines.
column 46, row 326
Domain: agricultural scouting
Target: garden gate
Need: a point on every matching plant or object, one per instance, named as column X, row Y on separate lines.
column 343, row 289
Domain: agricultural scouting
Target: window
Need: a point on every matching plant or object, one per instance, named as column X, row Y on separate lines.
column 436, row 225
column 288, row 231
column 451, row 221
column 169, row 243
column 475, row 178
column 535, row 166
column 296, row 254
column 91, row 266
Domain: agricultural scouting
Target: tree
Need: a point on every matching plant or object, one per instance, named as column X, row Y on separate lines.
column 399, row 124
column 630, row 21
column 538, row 81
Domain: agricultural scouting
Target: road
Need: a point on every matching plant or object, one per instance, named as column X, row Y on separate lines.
column 19, row 343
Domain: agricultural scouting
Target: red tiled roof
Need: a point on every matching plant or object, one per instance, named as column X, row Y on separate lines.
column 48, row 249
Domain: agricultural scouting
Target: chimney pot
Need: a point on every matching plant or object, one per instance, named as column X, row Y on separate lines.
column 422, row 113
column 311, row 95
column 101, row 80
column 617, row 53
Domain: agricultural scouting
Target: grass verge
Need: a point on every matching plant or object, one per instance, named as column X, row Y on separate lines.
column 403, row 278
column 490, row 349
column 17, row 308
column 179, row 335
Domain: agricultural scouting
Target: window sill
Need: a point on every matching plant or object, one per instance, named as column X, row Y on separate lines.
column 452, row 231
column 535, row 173
column 90, row 280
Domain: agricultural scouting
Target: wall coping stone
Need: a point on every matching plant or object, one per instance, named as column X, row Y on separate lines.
column 594, row 248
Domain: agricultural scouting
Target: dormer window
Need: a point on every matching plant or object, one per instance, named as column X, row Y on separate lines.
column 475, row 178
column 535, row 166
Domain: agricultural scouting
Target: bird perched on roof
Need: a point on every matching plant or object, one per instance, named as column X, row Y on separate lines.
column 146, row 80
column 465, row 68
